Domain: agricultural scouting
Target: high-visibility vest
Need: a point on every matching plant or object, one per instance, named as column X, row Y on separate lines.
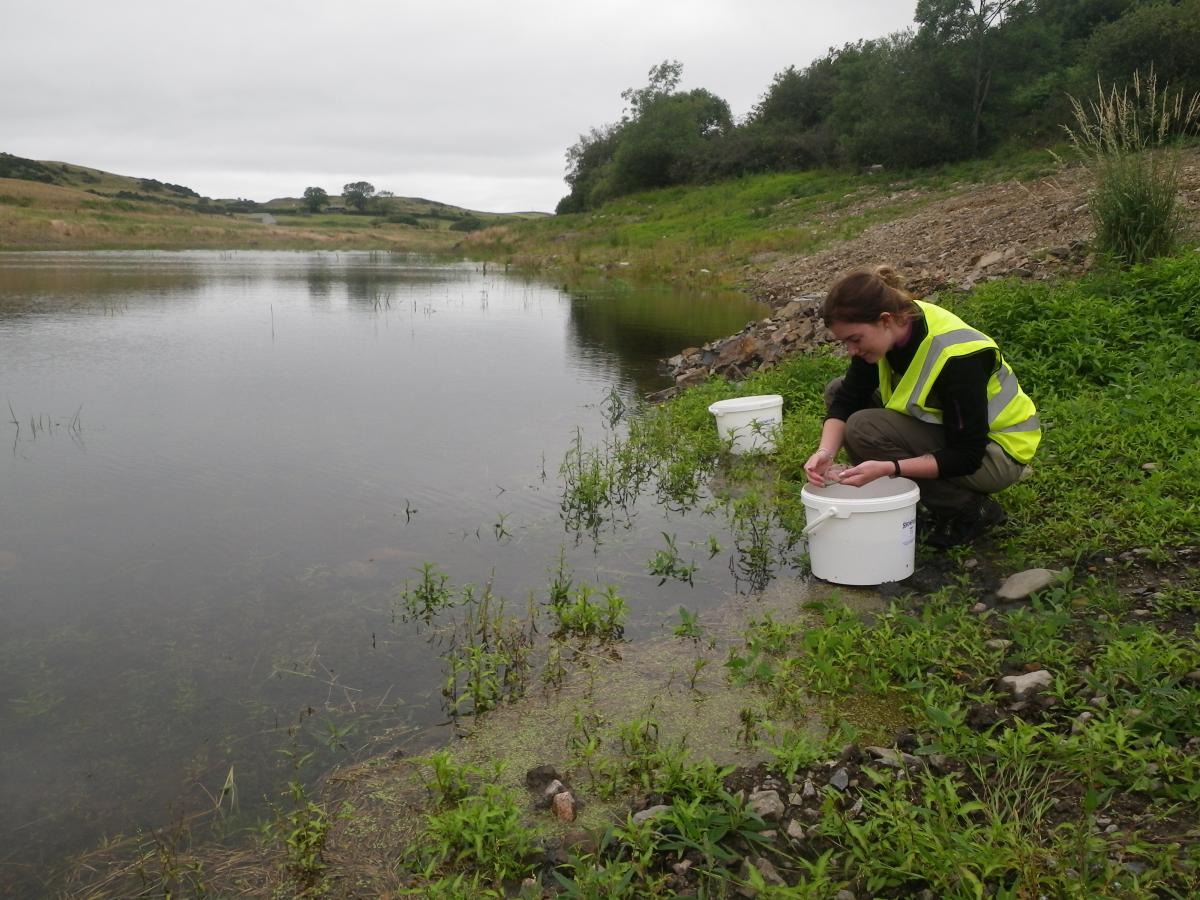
column 1012, row 418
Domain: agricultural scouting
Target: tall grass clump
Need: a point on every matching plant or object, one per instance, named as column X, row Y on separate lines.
column 1126, row 137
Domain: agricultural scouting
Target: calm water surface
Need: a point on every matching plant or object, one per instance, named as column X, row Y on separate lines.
column 218, row 468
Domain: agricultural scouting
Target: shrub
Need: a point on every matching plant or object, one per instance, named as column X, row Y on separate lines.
column 1126, row 137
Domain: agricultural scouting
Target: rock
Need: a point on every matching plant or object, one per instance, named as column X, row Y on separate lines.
column 682, row 867
column 579, row 840
column 809, row 791
column 768, row 872
column 988, row 260
column 649, row 813
column 1081, row 721
column 1150, row 467
column 691, row 377
column 997, row 644
column 563, row 805
column 1021, row 585
column 1193, row 676
column 539, row 776
column 894, row 758
column 1024, row 686
column 850, row 753
column 738, row 352
column 794, row 308
column 551, row 790
column 840, row 780
column 845, row 895
column 767, row 805
column 980, row 608
column 795, row 830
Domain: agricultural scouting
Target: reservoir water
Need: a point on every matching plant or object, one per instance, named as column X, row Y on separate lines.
column 217, row 471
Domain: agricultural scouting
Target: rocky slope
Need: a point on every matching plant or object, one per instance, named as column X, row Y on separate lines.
column 1034, row 230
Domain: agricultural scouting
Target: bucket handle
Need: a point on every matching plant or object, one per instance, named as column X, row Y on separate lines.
column 816, row 523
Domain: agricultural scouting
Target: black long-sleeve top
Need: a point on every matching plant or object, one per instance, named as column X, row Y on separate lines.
column 960, row 391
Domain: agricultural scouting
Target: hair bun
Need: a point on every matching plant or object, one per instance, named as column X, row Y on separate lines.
column 889, row 276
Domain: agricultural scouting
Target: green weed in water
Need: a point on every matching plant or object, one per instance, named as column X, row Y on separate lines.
column 667, row 563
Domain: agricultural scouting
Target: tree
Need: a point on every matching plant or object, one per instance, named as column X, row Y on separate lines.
column 664, row 78
column 358, row 194
column 668, row 140
column 967, row 24
column 588, row 161
column 662, row 139
column 315, row 199
column 799, row 99
column 1158, row 36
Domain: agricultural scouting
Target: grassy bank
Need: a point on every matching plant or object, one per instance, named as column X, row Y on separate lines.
column 711, row 233
column 1086, row 789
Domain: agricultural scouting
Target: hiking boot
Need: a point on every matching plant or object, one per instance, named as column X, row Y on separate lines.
column 968, row 524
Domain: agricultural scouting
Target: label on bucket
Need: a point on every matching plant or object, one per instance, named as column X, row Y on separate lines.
column 908, row 532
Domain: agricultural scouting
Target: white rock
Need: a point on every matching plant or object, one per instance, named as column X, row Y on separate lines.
column 1021, row 585
column 1023, row 686
column 650, row 813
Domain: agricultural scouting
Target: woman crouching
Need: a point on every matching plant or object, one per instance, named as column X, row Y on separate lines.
column 927, row 397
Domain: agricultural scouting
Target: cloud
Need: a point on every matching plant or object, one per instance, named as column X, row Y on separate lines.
column 476, row 97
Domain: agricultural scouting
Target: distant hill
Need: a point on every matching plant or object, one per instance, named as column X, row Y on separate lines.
column 411, row 210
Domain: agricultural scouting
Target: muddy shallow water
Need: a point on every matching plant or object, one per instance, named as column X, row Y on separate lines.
column 220, row 468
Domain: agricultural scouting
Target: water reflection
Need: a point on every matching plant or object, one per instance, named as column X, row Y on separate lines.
column 641, row 325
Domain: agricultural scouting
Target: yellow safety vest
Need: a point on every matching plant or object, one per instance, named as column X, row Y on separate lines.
column 1012, row 418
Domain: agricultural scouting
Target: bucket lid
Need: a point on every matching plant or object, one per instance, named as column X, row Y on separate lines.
column 745, row 404
column 880, row 495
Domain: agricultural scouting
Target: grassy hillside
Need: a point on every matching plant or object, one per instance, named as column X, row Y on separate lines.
column 55, row 205
column 713, row 232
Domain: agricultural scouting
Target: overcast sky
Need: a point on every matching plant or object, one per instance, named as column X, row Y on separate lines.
column 469, row 102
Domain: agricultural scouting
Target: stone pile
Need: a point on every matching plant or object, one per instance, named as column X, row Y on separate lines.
column 796, row 326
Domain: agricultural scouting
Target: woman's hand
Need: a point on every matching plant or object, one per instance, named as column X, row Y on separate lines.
column 866, row 472
column 816, row 467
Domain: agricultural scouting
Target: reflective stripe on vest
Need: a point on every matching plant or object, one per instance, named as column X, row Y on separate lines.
column 1012, row 419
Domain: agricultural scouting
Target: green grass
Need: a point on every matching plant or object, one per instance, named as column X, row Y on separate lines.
column 675, row 232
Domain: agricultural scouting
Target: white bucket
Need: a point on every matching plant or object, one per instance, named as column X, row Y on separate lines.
column 862, row 535
column 749, row 422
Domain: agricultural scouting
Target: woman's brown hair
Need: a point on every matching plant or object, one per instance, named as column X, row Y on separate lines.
column 864, row 295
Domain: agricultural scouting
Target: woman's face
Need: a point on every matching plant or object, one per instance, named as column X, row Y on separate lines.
column 868, row 340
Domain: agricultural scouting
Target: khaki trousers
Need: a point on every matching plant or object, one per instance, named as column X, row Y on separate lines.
column 878, row 433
